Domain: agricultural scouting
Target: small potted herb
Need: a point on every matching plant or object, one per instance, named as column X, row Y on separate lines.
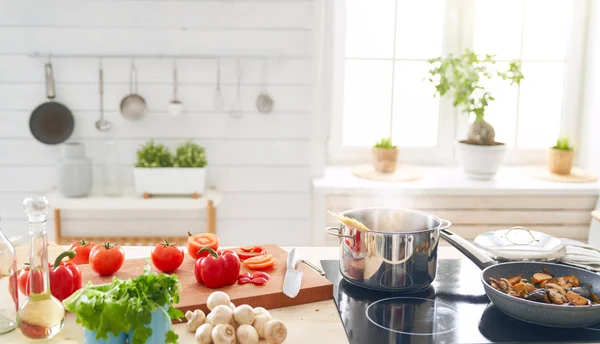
column 560, row 156
column 463, row 78
column 160, row 172
column 385, row 156
column 138, row 310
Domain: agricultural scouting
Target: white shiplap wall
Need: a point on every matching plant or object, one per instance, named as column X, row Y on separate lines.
column 259, row 162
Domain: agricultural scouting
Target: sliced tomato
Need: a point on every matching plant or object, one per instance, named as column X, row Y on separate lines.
column 247, row 248
column 258, row 249
column 262, row 266
column 259, row 259
column 197, row 242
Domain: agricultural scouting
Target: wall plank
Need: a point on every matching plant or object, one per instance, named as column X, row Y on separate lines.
column 80, row 40
column 228, row 152
column 159, row 14
column 15, row 124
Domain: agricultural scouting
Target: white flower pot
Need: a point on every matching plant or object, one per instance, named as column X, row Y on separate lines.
column 169, row 181
column 480, row 162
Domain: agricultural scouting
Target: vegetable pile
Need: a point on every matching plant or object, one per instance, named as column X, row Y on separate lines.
column 65, row 277
column 227, row 324
column 126, row 305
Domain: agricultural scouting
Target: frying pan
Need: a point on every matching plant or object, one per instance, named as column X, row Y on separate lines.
column 51, row 122
column 529, row 311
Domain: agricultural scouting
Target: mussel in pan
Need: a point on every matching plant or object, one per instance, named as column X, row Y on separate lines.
column 539, row 295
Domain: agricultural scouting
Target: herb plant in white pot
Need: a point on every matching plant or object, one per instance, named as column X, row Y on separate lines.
column 159, row 172
column 463, row 78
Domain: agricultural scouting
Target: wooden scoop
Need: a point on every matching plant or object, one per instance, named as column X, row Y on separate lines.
column 348, row 221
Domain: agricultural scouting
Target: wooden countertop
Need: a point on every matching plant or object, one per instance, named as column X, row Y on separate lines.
column 317, row 322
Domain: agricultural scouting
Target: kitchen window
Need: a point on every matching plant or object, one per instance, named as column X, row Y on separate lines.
column 380, row 70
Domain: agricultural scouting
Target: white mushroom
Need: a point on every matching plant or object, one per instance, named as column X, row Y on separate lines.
column 221, row 314
column 204, row 334
column 260, row 311
column 260, row 321
column 275, row 332
column 223, row 334
column 243, row 314
column 195, row 319
column 217, row 298
column 246, row 334
column 231, row 305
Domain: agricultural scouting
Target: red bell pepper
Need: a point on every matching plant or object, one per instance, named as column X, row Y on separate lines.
column 217, row 270
column 65, row 277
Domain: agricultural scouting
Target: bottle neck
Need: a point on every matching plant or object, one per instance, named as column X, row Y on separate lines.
column 38, row 258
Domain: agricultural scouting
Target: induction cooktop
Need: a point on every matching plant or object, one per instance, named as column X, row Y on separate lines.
column 454, row 309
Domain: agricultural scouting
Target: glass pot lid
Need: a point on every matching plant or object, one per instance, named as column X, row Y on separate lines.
column 520, row 243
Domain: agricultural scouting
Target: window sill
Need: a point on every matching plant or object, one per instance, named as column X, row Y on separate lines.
column 339, row 180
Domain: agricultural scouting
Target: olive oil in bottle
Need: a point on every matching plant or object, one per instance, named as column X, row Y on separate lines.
column 42, row 315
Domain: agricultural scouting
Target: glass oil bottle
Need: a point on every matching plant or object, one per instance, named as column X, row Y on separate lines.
column 42, row 315
column 9, row 297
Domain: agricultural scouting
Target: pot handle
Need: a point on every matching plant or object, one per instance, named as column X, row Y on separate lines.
column 444, row 224
column 476, row 255
column 337, row 233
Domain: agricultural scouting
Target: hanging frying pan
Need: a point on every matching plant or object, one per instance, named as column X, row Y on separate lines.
column 51, row 122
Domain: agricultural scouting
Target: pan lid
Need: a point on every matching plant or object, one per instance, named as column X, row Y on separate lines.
column 520, row 243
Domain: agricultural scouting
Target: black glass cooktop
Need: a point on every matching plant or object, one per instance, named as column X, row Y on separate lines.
column 454, row 309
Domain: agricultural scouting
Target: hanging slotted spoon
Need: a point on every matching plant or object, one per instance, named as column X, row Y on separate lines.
column 101, row 123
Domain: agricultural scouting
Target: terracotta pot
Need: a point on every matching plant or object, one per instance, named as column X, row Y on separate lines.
column 560, row 161
column 384, row 159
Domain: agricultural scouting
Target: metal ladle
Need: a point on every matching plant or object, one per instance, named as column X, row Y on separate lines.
column 175, row 105
column 101, row 123
column 219, row 100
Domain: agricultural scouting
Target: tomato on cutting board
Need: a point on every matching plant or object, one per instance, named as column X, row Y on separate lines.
column 197, row 242
column 249, row 252
column 106, row 259
column 82, row 250
column 261, row 262
column 167, row 257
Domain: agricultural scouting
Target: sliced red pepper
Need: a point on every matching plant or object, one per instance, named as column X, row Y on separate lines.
column 244, row 275
column 217, row 269
column 244, row 280
column 262, row 274
column 259, row 280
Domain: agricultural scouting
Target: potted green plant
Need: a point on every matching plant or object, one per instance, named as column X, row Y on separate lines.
column 159, row 172
column 560, row 156
column 384, row 156
column 462, row 77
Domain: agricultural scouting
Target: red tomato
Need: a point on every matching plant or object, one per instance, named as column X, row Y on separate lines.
column 23, row 280
column 199, row 241
column 82, row 250
column 106, row 259
column 167, row 257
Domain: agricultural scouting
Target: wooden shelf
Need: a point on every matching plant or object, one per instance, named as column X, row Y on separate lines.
column 132, row 201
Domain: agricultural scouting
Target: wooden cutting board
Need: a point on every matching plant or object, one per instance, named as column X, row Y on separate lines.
column 270, row 295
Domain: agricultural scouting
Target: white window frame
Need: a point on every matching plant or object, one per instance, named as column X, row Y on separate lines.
column 458, row 29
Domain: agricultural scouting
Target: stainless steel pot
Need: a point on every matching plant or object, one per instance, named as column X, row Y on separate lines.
column 398, row 253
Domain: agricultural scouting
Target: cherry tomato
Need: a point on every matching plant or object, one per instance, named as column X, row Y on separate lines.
column 82, row 250
column 244, row 280
column 262, row 274
column 199, row 241
column 167, row 257
column 259, row 280
column 106, row 259
column 245, row 275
